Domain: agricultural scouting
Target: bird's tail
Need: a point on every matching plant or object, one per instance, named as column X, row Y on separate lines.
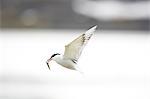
column 79, row 70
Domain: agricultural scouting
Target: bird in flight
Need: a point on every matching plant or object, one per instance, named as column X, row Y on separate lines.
column 72, row 51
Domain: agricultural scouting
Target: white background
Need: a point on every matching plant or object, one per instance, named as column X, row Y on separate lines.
column 116, row 65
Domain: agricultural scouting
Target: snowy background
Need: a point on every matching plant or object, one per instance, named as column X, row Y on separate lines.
column 116, row 65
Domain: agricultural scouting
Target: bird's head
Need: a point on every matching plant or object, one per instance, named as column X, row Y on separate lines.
column 52, row 58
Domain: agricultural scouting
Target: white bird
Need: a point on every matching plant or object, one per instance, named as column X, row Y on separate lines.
column 72, row 51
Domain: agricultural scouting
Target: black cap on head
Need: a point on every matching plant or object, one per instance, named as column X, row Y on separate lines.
column 54, row 55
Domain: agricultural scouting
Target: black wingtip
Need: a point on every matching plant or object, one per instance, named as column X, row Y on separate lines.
column 93, row 26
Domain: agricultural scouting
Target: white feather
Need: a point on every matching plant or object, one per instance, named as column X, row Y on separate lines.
column 74, row 49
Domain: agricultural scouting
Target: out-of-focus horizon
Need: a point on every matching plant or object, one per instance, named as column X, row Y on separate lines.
column 75, row 14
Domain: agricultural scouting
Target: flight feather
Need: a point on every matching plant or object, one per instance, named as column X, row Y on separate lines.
column 74, row 49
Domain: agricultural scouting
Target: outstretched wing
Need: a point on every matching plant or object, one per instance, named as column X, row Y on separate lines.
column 74, row 49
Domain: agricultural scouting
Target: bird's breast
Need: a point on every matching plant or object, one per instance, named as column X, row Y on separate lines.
column 67, row 63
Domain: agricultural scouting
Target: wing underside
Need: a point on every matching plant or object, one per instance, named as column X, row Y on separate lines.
column 74, row 49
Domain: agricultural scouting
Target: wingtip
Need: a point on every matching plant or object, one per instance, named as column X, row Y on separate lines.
column 92, row 29
column 95, row 27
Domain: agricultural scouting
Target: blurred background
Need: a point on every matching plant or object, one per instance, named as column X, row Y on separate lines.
column 76, row 14
column 116, row 62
